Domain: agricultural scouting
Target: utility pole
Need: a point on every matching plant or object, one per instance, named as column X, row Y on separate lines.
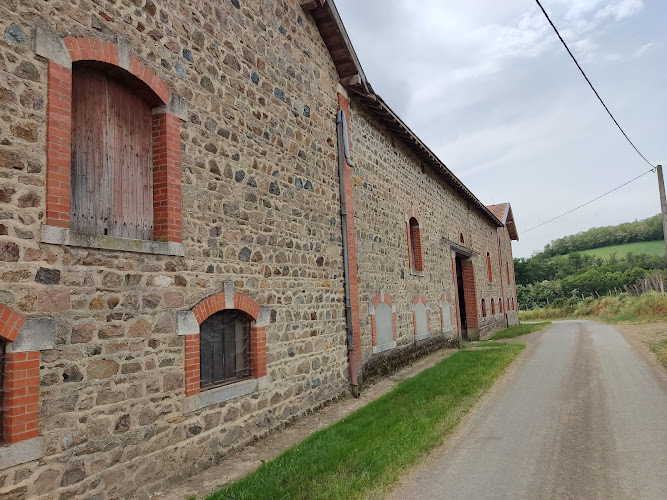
column 663, row 204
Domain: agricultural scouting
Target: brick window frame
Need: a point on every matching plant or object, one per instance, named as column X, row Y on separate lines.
column 493, row 307
column 415, row 243
column 500, row 305
column 419, row 298
column 445, row 302
column 188, row 326
column 489, row 268
column 483, row 308
column 382, row 298
column 167, row 206
column 23, row 339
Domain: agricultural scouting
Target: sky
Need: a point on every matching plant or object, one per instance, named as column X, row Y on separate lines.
column 491, row 90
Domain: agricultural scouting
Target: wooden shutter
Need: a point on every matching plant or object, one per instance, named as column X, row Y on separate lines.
column 112, row 171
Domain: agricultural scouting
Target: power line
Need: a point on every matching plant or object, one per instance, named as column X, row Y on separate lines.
column 588, row 202
column 591, row 85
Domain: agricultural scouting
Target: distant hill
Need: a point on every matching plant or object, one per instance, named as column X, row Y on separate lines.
column 656, row 248
column 646, row 230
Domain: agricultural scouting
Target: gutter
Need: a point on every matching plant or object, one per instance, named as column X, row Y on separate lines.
column 344, row 161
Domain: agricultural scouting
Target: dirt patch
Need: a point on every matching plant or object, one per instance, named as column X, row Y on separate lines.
column 246, row 460
column 649, row 339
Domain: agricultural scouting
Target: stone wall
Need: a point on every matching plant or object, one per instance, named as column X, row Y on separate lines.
column 260, row 205
column 260, row 225
column 390, row 184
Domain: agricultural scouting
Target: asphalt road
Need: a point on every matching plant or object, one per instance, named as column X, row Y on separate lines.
column 580, row 415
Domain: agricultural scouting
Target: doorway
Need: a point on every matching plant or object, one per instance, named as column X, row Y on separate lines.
column 461, row 295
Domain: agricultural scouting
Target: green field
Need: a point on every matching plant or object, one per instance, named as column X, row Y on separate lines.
column 648, row 247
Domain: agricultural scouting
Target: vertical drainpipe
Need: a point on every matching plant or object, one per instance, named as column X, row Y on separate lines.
column 343, row 161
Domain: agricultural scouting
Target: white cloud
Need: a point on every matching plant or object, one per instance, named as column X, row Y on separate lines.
column 620, row 10
column 642, row 50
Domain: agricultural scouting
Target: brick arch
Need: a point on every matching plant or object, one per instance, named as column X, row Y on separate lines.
column 415, row 241
column 166, row 159
column 227, row 300
column 218, row 302
column 11, row 323
column 94, row 49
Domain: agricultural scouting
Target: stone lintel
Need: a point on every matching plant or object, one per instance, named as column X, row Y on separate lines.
column 264, row 317
column 225, row 393
column 422, row 336
column 187, row 324
column 37, row 334
column 176, row 106
column 123, row 52
column 21, row 452
column 384, row 347
column 63, row 236
column 51, row 46
column 228, row 288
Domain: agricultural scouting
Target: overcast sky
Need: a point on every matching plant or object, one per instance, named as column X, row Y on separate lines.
column 489, row 88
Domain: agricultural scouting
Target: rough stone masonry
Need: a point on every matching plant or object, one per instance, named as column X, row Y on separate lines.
column 242, row 198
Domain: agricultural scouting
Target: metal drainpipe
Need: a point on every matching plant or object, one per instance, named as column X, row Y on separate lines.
column 343, row 161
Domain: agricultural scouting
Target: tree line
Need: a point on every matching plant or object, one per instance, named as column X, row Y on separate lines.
column 561, row 275
column 649, row 229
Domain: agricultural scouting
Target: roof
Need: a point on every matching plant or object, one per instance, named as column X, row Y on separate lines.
column 503, row 212
column 353, row 78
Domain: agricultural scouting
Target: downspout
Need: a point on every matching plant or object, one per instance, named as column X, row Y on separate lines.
column 502, row 288
column 343, row 161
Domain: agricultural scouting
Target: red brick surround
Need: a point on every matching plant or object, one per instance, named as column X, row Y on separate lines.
column 419, row 298
column 166, row 140
column 344, row 105
column 377, row 300
column 206, row 308
column 415, row 240
column 20, row 417
column 469, row 288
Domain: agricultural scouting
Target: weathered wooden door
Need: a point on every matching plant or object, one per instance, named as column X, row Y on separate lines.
column 112, row 174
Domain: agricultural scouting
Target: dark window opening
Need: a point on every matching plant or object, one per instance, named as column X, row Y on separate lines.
column 483, row 309
column 224, row 348
column 493, row 308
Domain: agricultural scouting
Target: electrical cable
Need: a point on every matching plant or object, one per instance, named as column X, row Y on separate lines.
column 588, row 202
column 592, row 87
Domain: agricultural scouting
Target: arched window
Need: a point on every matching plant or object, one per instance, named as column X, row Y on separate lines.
column 224, row 346
column 500, row 305
column 493, row 308
column 512, row 303
column 461, row 239
column 508, row 304
column 483, row 309
column 415, row 244
column 489, row 272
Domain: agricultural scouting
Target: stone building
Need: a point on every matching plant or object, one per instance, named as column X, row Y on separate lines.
column 210, row 225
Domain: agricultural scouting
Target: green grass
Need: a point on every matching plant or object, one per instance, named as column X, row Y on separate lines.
column 362, row 455
column 648, row 247
column 660, row 350
column 521, row 329
column 623, row 308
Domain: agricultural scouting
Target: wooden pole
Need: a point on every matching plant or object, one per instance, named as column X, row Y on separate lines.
column 663, row 205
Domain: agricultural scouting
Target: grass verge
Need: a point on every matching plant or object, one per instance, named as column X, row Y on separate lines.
column 365, row 453
column 623, row 308
column 521, row 329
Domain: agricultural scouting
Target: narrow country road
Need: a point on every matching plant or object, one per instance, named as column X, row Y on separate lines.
column 580, row 415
